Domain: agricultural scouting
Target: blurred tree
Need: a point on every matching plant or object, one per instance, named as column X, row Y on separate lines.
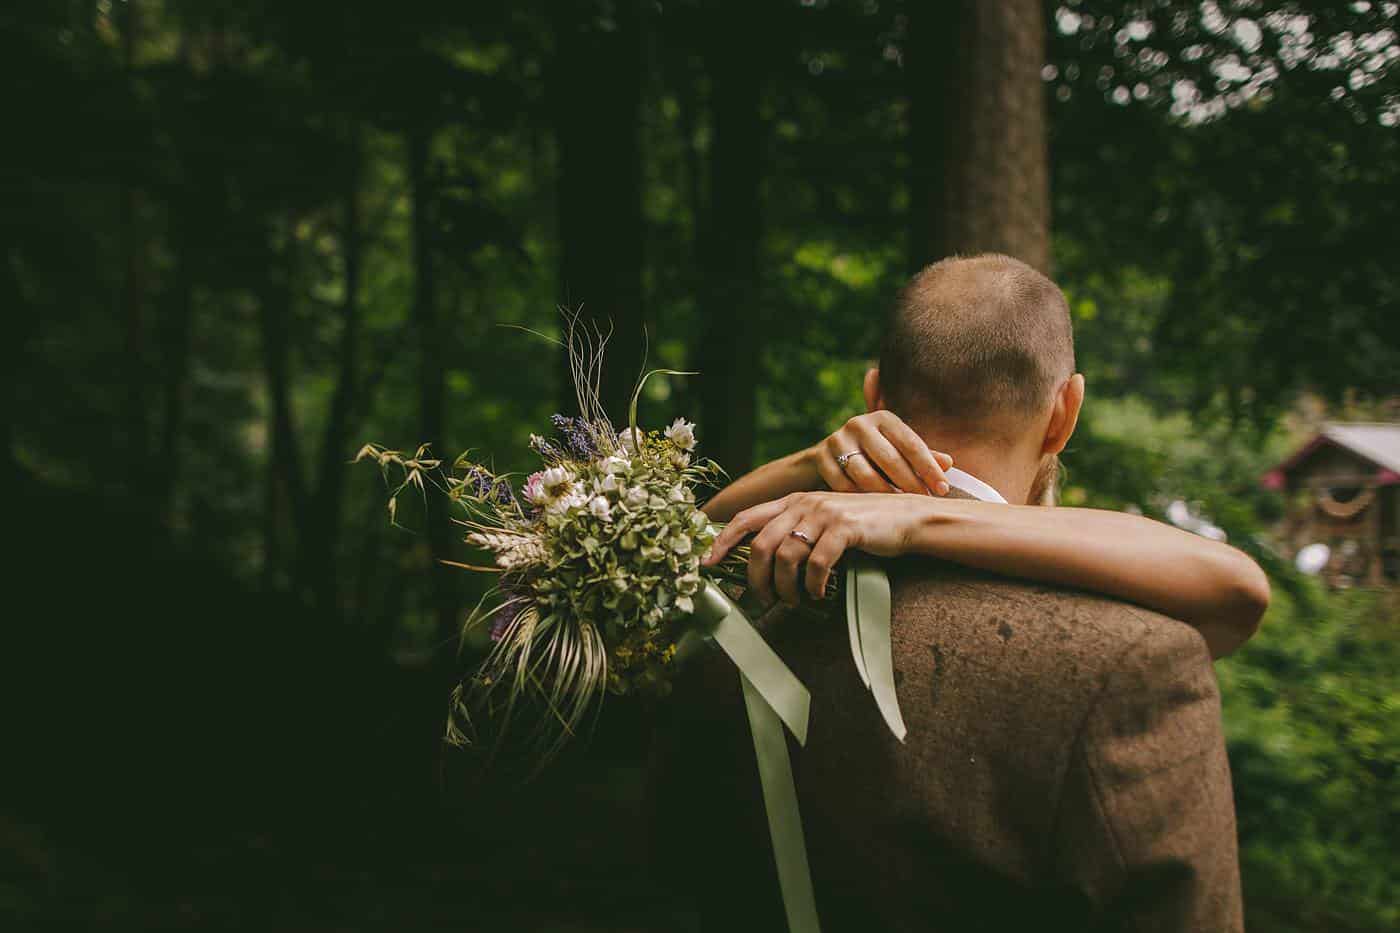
column 979, row 169
column 1251, row 150
column 596, row 88
column 737, row 42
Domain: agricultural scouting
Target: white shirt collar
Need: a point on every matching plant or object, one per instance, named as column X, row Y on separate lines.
column 961, row 479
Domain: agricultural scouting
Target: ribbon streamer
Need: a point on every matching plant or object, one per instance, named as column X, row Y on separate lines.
column 868, row 625
column 784, row 820
column 773, row 697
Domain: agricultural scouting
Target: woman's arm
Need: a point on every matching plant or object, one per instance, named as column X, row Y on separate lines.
column 1205, row 583
column 880, row 439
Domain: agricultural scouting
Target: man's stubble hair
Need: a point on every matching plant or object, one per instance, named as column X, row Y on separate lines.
column 978, row 346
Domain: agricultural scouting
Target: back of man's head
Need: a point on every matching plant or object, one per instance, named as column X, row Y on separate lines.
column 977, row 345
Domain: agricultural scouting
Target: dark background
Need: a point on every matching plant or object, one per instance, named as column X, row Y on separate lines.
column 242, row 239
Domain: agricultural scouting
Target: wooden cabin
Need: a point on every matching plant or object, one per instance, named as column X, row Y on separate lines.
column 1343, row 490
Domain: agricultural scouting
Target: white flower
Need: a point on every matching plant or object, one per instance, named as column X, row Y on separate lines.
column 608, row 483
column 567, row 501
column 678, row 493
column 556, row 481
column 680, row 459
column 681, row 544
column 636, row 496
column 616, row 464
column 698, row 520
column 685, row 604
column 688, row 584
column 652, row 616
column 600, row 508
column 682, row 434
column 631, row 440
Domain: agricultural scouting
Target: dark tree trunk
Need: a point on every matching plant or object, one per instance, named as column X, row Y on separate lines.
column 132, row 296
column 596, row 87
column 335, row 443
column 176, row 339
column 287, row 497
column 730, row 242
column 23, row 325
column 175, row 372
column 979, row 164
column 432, row 385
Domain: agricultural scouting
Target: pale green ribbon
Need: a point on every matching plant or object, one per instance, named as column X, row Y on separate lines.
column 773, row 696
column 868, row 627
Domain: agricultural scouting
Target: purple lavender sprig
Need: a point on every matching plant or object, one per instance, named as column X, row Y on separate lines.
column 576, row 437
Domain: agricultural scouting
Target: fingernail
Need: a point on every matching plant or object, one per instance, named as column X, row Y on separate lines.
column 943, row 489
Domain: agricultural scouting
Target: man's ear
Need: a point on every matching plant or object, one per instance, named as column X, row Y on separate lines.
column 1064, row 416
column 874, row 398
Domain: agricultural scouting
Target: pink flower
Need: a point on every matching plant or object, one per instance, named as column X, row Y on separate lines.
column 534, row 488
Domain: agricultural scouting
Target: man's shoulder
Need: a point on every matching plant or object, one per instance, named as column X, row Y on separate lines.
column 1056, row 626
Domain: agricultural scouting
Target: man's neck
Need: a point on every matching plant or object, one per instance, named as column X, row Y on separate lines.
column 1004, row 472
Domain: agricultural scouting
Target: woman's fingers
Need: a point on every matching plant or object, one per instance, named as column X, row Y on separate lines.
column 831, row 472
column 858, row 469
column 828, row 550
column 788, row 561
column 892, row 463
column 847, row 449
column 745, row 523
column 927, row 464
column 764, row 551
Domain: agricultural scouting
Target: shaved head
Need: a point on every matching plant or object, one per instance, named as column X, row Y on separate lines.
column 978, row 344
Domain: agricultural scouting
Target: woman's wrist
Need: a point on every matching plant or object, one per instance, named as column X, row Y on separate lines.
column 805, row 467
column 935, row 525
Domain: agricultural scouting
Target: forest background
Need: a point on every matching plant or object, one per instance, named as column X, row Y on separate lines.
column 241, row 239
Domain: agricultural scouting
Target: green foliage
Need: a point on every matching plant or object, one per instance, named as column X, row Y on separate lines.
column 1310, row 703
column 1312, row 716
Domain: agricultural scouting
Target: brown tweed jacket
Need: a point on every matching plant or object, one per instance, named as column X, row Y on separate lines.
column 1064, row 770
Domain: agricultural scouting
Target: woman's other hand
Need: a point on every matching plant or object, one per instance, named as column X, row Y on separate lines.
column 878, row 452
column 829, row 525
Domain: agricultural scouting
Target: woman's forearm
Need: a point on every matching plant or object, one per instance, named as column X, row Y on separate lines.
column 794, row 473
column 1210, row 585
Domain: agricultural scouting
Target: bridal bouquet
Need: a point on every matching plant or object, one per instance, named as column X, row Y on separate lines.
column 597, row 564
column 598, row 588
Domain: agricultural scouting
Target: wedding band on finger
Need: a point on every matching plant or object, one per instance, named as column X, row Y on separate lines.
column 801, row 535
column 845, row 458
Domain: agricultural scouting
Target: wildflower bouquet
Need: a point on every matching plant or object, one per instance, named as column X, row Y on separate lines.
column 599, row 589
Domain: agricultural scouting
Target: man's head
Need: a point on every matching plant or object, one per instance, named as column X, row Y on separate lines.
column 979, row 353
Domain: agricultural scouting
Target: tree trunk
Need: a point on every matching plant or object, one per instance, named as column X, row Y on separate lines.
column 979, row 163
column 732, row 331
column 22, row 325
column 432, row 385
column 286, row 491
column 335, row 443
column 596, row 88
column 132, row 297
column 175, row 371
column 176, row 339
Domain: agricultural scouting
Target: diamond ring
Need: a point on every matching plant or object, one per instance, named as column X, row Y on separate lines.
column 802, row 536
column 842, row 460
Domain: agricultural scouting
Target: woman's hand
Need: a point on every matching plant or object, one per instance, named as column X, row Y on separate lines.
column 831, row 522
column 878, row 452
